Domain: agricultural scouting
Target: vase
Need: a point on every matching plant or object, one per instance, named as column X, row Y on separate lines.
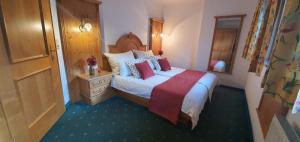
column 91, row 70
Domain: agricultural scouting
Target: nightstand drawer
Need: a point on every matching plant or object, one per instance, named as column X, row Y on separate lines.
column 98, row 90
column 101, row 81
column 97, row 99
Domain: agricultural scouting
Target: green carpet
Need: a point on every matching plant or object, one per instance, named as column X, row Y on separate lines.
column 225, row 119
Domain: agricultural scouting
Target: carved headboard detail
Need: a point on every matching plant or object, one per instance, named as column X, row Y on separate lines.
column 125, row 43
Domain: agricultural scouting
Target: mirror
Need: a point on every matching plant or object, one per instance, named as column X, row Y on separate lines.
column 225, row 41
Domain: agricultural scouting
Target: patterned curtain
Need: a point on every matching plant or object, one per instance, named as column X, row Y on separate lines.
column 253, row 56
column 260, row 34
column 253, row 29
column 265, row 40
column 282, row 80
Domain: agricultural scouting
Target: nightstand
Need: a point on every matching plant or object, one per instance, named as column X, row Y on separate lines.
column 95, row 89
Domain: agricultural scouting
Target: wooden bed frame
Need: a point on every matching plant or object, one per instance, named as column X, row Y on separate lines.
column 127, row 43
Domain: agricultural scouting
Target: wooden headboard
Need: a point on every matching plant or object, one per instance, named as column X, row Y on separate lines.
column 125, row 43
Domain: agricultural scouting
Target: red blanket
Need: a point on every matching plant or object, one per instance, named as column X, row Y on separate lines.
column 212, row 64
column 167, row 98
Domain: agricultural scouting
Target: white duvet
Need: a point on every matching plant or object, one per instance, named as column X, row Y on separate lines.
column 193, row 102
column 209, row 80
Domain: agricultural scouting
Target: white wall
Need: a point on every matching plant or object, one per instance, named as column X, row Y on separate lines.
column 254, row 93
column 123, row 16
column 62, row 68
column 182, row 25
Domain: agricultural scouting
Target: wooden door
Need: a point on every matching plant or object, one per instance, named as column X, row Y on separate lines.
column 30, row 92
column 4, row 131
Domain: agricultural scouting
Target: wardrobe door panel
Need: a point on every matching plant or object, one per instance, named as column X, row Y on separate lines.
column 30, row 86
column 23, row 25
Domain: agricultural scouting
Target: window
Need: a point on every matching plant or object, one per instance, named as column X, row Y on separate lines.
column 274, row 32
column 296, row 108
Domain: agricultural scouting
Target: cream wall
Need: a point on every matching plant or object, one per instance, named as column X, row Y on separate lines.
column 254, row 93
column 182, row 25
column 124, row 16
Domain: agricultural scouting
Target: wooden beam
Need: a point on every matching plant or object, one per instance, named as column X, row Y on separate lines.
column 94, row 1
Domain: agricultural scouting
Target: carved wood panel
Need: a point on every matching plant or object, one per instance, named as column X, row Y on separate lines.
column 24, row 17
column 4, row 131
column 36, row 101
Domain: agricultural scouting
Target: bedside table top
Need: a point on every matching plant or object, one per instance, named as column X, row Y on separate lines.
column 85, row 76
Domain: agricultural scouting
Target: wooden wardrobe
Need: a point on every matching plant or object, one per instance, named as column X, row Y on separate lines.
column 31, row 99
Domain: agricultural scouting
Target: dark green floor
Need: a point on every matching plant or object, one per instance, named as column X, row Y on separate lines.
column 226, row 119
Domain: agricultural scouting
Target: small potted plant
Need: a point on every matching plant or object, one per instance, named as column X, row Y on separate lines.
column 92, row 65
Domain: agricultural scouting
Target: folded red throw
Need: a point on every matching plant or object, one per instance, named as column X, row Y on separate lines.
column 167, row 98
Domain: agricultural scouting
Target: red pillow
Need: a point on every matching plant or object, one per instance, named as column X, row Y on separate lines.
column 164, row 64
column 144, row 69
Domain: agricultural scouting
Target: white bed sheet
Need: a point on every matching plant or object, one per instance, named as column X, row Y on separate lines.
column 209, row 80
column 193, row 102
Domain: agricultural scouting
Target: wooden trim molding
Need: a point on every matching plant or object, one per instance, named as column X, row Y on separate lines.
column 231, row 16
column 93, row 1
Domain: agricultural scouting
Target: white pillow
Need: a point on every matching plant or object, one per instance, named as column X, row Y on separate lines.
column 142, row 54
column 150, row 64
column 150, row 52
column 132, row 67
column 117, row 62
column 154, row 60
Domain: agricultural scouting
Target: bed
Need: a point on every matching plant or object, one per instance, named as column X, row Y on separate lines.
column 139, row 91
